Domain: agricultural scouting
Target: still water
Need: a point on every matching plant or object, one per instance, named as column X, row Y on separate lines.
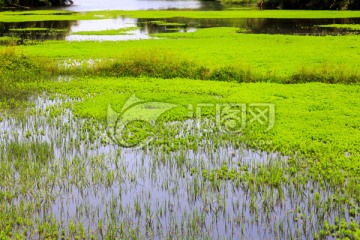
column 144, row 27
column 92, row 5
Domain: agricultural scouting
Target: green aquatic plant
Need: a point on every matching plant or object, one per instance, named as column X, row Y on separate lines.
column 347, row 26
column 120, row 31
column 9, row 41
column 341, row 229
column 166, row 23
column 16, row 71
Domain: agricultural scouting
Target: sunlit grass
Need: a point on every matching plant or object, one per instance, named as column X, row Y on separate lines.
column 266, row 56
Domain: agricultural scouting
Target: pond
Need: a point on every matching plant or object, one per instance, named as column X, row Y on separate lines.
column 84, row 5
column 142, row 28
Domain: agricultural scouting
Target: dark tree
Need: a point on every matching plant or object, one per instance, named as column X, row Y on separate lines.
column 34, row 3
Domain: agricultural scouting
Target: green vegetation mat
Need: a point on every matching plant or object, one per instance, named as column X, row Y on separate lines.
column 263, row 57
column 119, row 31
column 349, row 26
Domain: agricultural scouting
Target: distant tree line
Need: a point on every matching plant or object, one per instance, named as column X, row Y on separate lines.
column 301, row 4
column 313, row 4
column 34, row 3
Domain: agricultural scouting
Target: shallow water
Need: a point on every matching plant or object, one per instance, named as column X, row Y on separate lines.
column 155, row 193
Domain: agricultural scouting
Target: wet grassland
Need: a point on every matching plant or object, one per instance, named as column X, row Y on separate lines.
column 64, row 174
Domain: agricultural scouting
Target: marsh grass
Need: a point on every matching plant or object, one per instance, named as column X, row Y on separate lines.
column 325, row 74
column 120, row 31
column 22, row 76
column 347, row 26
column 17, row 72
column 64, row 182
column 9, row 41
column 168, row 65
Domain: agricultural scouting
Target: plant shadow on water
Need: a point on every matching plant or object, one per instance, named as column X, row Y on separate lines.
column 38, row 31
column 256, row 25
column 219, row 190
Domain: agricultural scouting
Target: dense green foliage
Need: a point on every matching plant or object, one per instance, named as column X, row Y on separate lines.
column 313, row 4
column 33, row 3
column 301, row 4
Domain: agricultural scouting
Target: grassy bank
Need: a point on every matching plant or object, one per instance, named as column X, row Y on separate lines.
column 244, row 58
column 119, row 31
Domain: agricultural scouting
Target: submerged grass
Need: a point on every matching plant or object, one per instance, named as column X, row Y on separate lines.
column 321, row 129
column 329, row 129
column 56, row 168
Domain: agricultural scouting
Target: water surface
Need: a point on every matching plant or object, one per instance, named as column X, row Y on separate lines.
column 154, row 193
column 92, row 5
column 151, row 26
